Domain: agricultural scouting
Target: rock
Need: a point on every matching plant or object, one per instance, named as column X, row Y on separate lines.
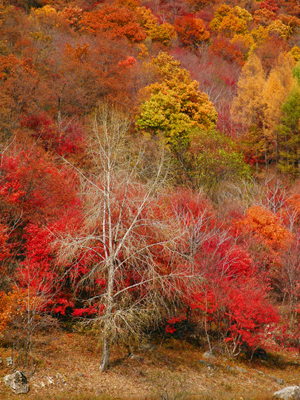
column 39, row 385
column 236, row 369
column 208, row 365
column 136, row 357
column 242, row 370
column 259, row 372
column 9, row 361
column 60, row 378
column 288, row 393
column 208, row 355
column 278, row 380
column 203, row 362
column 147, row 346
column 50, row 380
column 17, row 382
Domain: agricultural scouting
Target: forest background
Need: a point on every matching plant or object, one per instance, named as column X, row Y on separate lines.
column 150, row 160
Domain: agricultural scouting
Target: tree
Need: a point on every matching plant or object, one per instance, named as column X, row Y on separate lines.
column 270, row 5
column 231, row 305
column 248, row 106
column 277, row 27
column 277, row 87
column 230, row 21
column 175, row 105
column 191, row 31
column 162, row 33
column 212, row 159
column 115, row 22
column 123, row 235
column 288, row 134
column 286, row 279
column 263, row 17
column 267, row 227
column 18, row 84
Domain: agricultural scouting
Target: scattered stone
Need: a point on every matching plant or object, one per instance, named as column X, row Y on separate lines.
column 203, row 362
column 39, row 385
column 59, row 376
column 259, row 372
column 17, row 382
column 212, row 367
column 9, row 361
column 136, row 357
column 208, row 355
column 242, row 370
column 208, row 365
column 147, row 346
column 278, row 380
column 50, row 380
column 288, row 393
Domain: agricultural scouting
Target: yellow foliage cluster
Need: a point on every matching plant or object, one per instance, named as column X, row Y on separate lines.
column 295, row 53
column 175, row 105
column 46, row 19
column 163, row 33
column 277, row 26
column 230, row 21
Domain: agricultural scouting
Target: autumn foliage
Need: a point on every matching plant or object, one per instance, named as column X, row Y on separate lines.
column 210, row 95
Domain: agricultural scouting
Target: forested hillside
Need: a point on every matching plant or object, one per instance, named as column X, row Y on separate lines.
column 149, row 172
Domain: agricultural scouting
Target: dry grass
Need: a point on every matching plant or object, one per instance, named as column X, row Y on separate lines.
column 67, row 368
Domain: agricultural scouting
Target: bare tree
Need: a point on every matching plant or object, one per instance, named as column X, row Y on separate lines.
column 122, row 232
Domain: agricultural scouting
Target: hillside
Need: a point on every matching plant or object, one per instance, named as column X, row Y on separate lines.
column 149, row 185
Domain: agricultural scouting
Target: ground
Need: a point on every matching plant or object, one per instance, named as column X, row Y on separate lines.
column 67, row 367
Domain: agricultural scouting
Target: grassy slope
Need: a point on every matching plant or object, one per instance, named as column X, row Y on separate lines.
column 67, row 368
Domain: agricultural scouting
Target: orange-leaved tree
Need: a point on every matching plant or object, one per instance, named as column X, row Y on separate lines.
column 267, row 227
column 191, row 31
column 115, row 22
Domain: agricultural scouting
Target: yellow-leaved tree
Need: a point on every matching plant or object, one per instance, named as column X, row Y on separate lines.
column 278, row 85
column 229, row 21
column 258, row 107
column 180, row 114
column 174, row 105
column 248, row 106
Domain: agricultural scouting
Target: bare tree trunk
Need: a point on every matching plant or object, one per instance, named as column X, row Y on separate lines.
column 277, row 157
column 266, row 149
column 104, row 365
